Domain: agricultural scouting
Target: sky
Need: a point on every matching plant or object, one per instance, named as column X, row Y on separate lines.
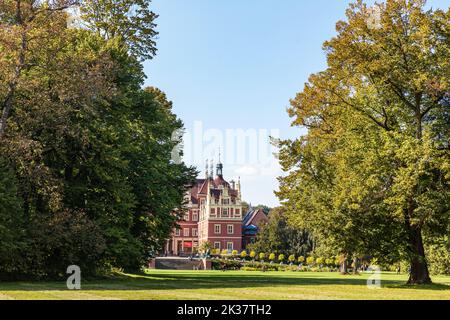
column 230, row 68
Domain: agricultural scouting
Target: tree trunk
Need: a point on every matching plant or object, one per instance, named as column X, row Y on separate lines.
column 355, row 265
column 419, row 273
column 344, row 268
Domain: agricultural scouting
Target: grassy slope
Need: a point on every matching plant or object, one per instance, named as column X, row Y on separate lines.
column 231, row 285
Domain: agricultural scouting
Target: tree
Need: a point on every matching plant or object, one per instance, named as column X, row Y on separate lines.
column 279, row 236
column 84, row 139
column 372, row 173
column 12, row 226
column 129, row 21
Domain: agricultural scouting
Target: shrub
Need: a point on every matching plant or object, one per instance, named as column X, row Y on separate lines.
column 272, row 256
column 291, row 258
column 262, row 256
column 235, row 253
column 224, row 265
column 310, row 260
column 439, row 260
column 281, row 257
column 319, row 261
column 252, row 254
column 244, row 254
column 301, row 259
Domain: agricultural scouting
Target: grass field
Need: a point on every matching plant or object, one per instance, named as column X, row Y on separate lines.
column 216, row 285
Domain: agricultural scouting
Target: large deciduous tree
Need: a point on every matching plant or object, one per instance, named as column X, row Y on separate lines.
column 89, row 151
column 372, row 173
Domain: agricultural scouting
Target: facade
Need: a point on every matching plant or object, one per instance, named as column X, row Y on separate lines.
column 251, row 225
column 214, row 215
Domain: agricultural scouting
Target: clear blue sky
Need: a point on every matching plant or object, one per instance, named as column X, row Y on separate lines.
column 234, row 64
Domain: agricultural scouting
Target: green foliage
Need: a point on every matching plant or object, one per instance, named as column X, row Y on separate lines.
column 291, row 258
column 12, row 228
column 281, row 257
column 310, row 260
column 278, row 236
column 226, row 265
column 129, row 21
column 301, row 259
column 272, row 257
column 243, row 254
column 371, row 176
column 89, row 151
column 439, row 257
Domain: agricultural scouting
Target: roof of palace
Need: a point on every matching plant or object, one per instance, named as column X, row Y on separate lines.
column 201, row 188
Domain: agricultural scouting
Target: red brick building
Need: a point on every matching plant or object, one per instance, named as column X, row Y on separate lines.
column 251, row 225
column 214, row 215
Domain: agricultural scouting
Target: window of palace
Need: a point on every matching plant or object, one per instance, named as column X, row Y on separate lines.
column 217, row 229
column 225, row 212
column 195, row 216
column 177, row 232
column 194, row 232
column 217, row 245
column 230, row 246
column 230, row 229
column 226, row 201
column 186, row 232
column 186, row 216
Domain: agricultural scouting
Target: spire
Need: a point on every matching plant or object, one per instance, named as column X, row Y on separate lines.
column 219, row 167
column 238, row 188
column 206, row 169
column 212, row 169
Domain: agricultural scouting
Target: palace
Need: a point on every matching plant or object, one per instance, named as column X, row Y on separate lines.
column 215, row 214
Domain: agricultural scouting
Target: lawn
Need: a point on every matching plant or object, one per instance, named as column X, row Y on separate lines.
column 231, row 285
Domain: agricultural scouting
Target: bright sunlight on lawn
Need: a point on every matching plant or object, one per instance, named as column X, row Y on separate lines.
column 216, row 285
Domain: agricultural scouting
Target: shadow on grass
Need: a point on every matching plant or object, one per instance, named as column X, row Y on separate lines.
column 200, row 280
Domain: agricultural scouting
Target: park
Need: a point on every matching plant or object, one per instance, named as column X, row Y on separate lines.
column 231, row 285
column 224, row 150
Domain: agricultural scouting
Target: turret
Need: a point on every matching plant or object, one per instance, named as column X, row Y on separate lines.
column 238, row 188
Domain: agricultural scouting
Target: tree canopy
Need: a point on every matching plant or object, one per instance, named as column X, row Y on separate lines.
column 87, row 150
column 371, row 176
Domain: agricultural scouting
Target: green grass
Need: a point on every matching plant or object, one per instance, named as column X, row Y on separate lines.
column 232, row 285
